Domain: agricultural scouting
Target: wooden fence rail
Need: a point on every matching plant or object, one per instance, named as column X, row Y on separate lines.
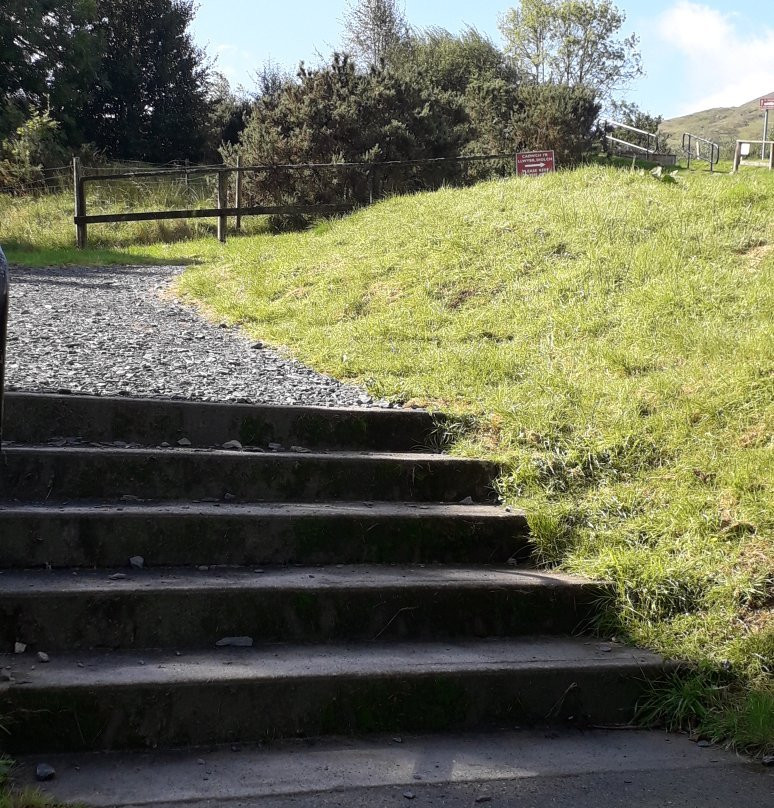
column 222, row 211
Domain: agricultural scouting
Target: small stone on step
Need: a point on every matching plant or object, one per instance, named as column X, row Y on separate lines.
column 129, row 498
column 768, row 760
column 466, row 501
column 300, row 449
column 276, row 447
column 233, row 444
column 484, row 798
column 409, row 795
column 203, row 568
column 117, row 576
column 19, row 647
column 138, row 562
column 43, row 657
column 184, row 442
column 704, row 744
column 44, row 772
column 235, row 642
column 605, row 648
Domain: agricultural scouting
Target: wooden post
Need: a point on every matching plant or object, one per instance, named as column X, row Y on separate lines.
column 80, row 203
column 238, row 194
column 771, row 155
column 371, row 185
column 222, row 203
column 187, row 163
column 737, row 157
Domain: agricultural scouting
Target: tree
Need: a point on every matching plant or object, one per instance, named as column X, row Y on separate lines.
column 228, row 114
column 555, row 116
column 47, row 48
column 372, row 28
column 337, row 114
column 474, row 71
column 571, row 42
column 148, row 99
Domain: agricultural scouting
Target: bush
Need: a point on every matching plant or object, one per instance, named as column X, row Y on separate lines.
column 36, row 145
column 555, row 116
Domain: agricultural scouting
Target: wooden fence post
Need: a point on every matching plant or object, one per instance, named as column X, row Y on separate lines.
column 222, row 203
column 80, row 203
column 238, row 194
column 737, row 157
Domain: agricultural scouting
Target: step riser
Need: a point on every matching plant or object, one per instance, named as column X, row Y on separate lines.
column 97, row 540
column 110, row 718
column 33, row 418
column 158, row 618
column 61, row 474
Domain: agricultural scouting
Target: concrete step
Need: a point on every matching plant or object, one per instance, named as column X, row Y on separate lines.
column 46, row 473
column 180, row 608
column 562, row 768
column 145, row 699
column 183, row 534
column 36, row 418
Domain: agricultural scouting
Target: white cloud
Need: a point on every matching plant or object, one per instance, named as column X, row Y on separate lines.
column 235, row 63
column 725, row 67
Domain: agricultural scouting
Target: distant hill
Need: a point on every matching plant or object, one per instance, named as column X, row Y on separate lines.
column 721, row 124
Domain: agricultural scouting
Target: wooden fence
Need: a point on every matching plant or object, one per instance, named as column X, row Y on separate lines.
column 762, row 143
column 222, row 211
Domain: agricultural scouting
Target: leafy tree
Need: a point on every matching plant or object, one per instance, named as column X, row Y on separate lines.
column 474, row 71
column 149, row 97
column 228, row 114
column 46, row 48
column 373, row 28
column 571, row 42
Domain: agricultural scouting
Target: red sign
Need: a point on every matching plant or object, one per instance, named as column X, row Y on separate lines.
column 534, row 163
column 767, row 103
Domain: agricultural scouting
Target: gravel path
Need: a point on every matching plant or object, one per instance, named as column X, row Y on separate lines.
column 113, row 331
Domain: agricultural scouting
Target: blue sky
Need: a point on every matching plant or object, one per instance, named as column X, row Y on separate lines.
column 696, row 54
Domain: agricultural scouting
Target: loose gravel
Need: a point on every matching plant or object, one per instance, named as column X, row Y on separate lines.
column 118, row 331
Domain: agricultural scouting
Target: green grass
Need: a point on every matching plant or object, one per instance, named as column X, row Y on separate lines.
column 609, row 336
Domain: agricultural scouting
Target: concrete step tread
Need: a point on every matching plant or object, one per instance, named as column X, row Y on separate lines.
column 302, row 662
column 36, row 583
column 150, row 421
column 376, row 509
column 91, row 450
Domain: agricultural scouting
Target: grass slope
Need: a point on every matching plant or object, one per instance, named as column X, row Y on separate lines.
column 721, row 124
column 607, row 336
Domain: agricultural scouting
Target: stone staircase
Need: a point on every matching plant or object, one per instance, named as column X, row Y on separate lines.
column 325, row 572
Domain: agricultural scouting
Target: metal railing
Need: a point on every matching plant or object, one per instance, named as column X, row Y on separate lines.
column 651, row 137
column 5, row 282
column 690, row 140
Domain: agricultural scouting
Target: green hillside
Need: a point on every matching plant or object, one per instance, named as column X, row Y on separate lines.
column 720, row 124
